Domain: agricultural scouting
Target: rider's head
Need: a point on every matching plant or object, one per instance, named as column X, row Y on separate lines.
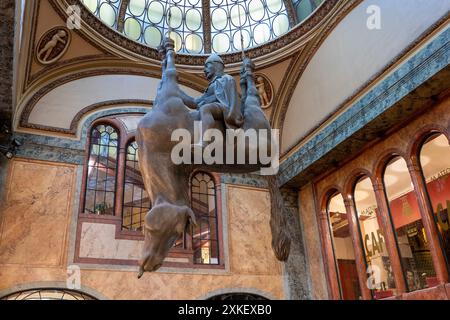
column 213, row 66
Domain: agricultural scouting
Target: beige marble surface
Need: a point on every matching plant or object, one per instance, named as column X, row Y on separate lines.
column 35, row 216
column 33, row 243
column 249, row 232
column 98, row 241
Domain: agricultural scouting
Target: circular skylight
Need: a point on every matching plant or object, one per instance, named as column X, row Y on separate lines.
column 203, row 26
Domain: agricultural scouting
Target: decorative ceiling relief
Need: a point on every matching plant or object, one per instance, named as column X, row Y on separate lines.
column 265, row 90
column 53, row 45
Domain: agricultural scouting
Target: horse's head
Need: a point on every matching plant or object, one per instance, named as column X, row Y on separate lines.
column 164, row 225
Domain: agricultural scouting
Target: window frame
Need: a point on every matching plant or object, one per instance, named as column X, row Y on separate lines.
column 375, row 171
column 185, row 251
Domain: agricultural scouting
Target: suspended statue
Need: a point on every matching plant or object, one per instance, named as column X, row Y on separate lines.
column 167, row 181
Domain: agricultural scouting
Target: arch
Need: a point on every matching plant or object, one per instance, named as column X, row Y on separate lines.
column 58, row 285
column 89, row 119
column 98, row 88
column 325, row 198
column 353, row 178
column 232, row 290
column 383, row 160
column 95, row 29
column 423, row 134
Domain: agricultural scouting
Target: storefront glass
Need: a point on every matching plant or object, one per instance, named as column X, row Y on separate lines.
column 435, row 162
column 412, row 242
column 343, row 249
column 380, row 277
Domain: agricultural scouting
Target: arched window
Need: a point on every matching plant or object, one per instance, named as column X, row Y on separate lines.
column 375, row 251
column 343, row 248
column 435, row 163
column 412, row 242
column 205, row 241
column 48, row 294
column 237, row 296
column 102, row 170
column 114, row 186
column 136, row 202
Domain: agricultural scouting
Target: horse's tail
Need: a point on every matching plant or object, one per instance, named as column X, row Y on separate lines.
column 281, row 243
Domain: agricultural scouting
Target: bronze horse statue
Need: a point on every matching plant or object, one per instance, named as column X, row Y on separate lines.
column 168, row 184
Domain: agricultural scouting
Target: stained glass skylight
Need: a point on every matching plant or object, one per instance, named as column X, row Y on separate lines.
column 203, row 26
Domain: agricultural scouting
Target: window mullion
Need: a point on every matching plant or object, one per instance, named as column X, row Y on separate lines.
column 121, row 15
column 120, row 181
column 291, row 13
column 206, row 26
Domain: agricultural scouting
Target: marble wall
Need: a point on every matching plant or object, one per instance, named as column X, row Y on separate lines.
column 36, row 225
column 34, row 219
column 312, row 243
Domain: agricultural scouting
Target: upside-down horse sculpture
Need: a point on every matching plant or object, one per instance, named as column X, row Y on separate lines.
column 166, row 182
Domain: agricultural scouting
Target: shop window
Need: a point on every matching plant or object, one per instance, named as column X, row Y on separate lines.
column 136, row 202
column 412, row 242
column 343, row 249
column 435, row 162
column 205, row 236
column 378, row 263
column 102, row 170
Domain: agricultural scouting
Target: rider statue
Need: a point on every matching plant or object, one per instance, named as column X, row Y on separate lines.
column 220, row 100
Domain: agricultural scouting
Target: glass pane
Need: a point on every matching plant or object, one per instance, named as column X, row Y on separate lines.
column 411, row 239
column 304, row 8
column 136, row 202
column 148, row 21
column 106, row 10
column 435, row 161
column 259, row 21
column 205, row 238
column 101, row 175
column 376, row 255
column 343, row 249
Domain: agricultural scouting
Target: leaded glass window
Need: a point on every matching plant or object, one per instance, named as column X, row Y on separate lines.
column 136, row 202
column 106, row 10
column 258, row 20
column 101, row 174
column 147, row 21
column 205, row 240
column 48, row 294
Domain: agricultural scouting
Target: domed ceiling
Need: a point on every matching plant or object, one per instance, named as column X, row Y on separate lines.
column 203, row 26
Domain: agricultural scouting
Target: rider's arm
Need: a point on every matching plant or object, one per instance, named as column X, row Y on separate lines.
column 188, row 100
